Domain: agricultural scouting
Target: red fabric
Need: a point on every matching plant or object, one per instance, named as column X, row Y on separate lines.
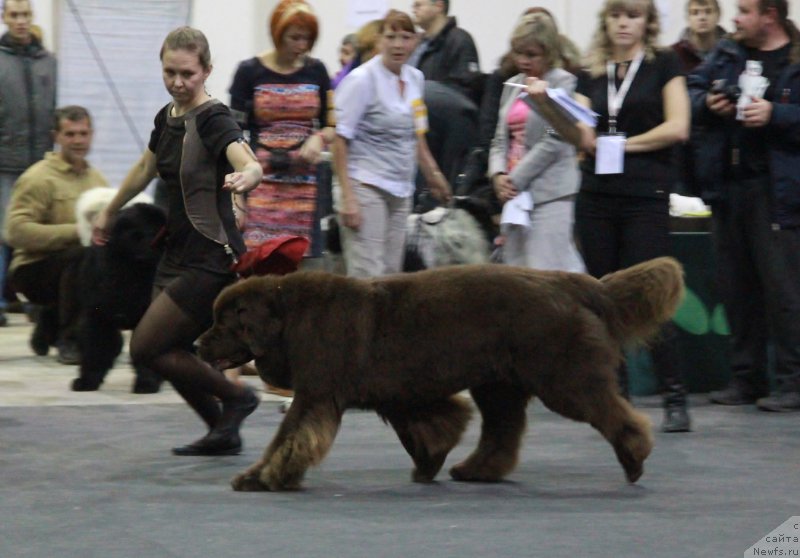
column 276, row 256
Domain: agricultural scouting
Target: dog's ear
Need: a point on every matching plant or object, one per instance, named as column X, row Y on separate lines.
column 260, row 314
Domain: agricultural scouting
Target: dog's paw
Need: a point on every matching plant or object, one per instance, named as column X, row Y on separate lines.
column 422, row 477
column 634, row 472
column 275, row 483
column 247, row 482
column 81, row 384
column 427, row 469
column 466, row 472
column 143, row 386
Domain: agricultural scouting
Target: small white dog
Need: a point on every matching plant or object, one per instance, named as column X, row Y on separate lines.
column 92, row 202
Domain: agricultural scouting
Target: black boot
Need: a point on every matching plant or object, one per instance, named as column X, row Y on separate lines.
column 670, row 378
column 676, row 419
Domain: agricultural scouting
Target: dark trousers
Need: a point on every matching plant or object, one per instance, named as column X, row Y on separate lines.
column 52, row 283
column 759, row 277
column 619, row 231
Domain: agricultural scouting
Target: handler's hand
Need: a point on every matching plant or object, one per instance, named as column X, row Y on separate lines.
column 350, row 214
column 440, row 189
column 241, row 182
column 720, row 104
column 503, row 187
column 99, row 228
column 311, row 149
column 757, row 114
column 537, row 89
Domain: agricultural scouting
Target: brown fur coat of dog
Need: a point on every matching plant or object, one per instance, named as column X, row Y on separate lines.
column 406, row 344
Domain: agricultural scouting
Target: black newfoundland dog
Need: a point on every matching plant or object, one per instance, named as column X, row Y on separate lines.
column 406, row 345
column 115, row 283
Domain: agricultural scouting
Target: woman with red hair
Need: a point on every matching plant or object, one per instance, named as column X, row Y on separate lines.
column 281, row 97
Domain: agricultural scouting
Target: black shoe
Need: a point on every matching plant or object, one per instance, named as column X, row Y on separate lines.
column 735, row 394
column 784, row 402
column 676, row 419
column 68, row 354
column 3, row 319
column 212, row 444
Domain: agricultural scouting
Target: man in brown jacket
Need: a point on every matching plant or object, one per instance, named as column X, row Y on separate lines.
column 42, row 229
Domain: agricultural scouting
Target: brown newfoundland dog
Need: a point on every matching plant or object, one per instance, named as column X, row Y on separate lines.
column 405, row 345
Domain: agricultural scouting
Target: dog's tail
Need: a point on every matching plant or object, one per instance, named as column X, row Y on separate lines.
column 645, row 296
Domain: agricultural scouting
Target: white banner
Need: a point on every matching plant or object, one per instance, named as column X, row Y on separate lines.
column 108, row 63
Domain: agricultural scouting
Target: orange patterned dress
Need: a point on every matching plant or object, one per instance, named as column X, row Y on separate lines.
column 282, row 111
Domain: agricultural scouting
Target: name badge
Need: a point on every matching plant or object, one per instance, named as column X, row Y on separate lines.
column 610, row 154
column 420, row 116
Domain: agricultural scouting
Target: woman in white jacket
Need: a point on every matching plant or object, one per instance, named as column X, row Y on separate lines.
column 527, row 156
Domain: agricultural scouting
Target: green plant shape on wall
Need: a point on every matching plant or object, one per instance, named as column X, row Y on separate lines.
column 693, row 317
column 719, row 321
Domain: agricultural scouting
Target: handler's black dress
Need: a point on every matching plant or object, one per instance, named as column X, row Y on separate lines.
column 194, row 268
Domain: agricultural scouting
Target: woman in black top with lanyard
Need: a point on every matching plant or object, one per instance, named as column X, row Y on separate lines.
column 197, row 149
column 622, row 210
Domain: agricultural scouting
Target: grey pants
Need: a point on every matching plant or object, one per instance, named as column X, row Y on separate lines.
column 378, row 246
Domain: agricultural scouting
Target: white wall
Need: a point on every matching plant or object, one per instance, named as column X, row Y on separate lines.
column 237, row 29
column 234, row 34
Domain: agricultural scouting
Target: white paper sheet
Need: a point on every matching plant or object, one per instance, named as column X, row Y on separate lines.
column 517, row 211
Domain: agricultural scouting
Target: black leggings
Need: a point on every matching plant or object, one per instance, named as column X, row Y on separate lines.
column 163, row 342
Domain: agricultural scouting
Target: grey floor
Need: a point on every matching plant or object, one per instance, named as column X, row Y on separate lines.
column 90, row 475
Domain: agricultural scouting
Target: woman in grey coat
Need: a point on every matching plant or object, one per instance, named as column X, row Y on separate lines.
column 527, row 156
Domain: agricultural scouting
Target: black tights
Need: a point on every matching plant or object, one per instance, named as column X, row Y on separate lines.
column 163, row 341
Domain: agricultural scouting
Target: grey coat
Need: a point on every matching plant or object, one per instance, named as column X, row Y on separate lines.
column 549, row 169
column 27, row 102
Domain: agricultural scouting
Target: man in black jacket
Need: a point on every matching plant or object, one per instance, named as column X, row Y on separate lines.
column 446, row 52
column 747, row 165
column 447, row 55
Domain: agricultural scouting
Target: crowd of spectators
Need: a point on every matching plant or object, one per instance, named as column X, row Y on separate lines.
column 411, row 121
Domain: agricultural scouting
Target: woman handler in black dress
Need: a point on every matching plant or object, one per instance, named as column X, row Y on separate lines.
column 196, row 149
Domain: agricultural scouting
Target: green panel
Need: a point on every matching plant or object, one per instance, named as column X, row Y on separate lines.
column 692, row 316
column 703, row 342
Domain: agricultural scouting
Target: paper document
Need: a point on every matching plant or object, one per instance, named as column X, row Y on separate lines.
column 517, row 210
column 572, row 108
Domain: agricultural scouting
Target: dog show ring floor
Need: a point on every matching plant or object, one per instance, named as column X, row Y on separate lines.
column 91, row 475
